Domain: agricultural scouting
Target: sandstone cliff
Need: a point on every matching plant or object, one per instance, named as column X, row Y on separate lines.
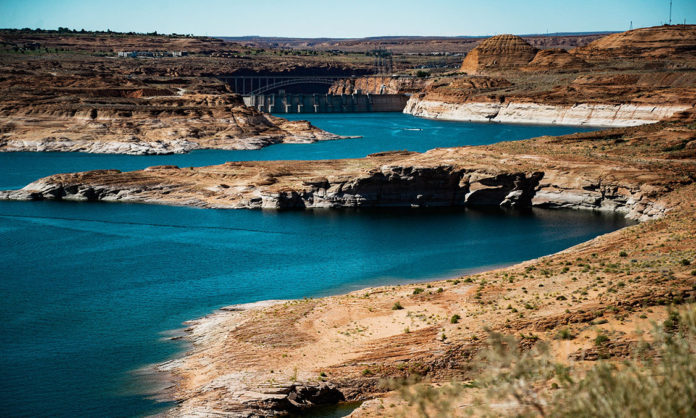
column 600, row 115
column 635, row 77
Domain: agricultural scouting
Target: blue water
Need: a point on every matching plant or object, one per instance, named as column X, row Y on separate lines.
column 88, row 288
column 379, row 131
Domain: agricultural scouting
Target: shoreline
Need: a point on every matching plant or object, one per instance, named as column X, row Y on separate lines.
column 159, row 148
column 194, row 331
column 207, row 334
column 301, row 353
column 531, row 113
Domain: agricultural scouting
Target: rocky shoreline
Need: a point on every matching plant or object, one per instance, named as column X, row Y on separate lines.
column 181, row 146
column 599, row 115
column 166, row 125
column 405, row 185
column 543, row 172
column 277, row 357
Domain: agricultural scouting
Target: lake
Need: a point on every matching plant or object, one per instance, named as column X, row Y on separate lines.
column 90, row 290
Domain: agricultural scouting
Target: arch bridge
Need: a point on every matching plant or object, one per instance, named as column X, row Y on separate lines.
column 255, row 85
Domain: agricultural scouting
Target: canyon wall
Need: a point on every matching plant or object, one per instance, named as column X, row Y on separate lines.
column 380, row 85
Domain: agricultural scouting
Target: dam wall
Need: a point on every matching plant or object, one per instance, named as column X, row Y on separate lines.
column 327, row 103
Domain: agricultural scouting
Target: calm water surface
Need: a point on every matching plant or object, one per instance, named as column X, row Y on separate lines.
column 88, row 289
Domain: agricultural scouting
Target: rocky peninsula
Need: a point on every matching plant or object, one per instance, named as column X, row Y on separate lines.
column 91, row 100
column 118, row 115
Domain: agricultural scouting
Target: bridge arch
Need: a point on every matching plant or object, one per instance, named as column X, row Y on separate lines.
column 292, row 82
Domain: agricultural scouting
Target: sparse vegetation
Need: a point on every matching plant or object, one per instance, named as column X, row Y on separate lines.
column 657, row 381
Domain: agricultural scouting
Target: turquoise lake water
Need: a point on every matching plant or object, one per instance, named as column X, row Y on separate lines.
column 89, row 290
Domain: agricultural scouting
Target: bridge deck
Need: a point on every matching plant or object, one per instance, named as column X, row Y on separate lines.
column 259, row 84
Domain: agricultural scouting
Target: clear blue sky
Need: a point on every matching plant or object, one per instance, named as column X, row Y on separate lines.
column 347, row 18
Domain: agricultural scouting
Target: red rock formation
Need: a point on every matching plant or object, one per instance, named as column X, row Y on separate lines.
column 555, row 60
column 498, row 53
column 654, row 42
column 379, row 85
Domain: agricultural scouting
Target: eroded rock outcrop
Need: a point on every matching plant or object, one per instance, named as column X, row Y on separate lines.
column 593, row 85
column 137, row 120
column 379, row 85
column 499, row 52
column 555, row 59
column 659, row 42
column 544, row 172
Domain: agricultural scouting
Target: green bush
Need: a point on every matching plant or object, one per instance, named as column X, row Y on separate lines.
column 601, row 339
column 565, row 334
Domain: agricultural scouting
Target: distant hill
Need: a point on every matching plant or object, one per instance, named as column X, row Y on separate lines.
column 413, row 44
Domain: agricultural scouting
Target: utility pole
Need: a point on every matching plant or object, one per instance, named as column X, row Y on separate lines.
column 670, row 12
column 631, row 26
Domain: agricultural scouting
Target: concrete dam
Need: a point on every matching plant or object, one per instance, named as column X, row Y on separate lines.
column 327, row 103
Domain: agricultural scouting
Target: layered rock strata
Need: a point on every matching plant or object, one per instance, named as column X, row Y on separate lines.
column 660, row 42
column 380, row 85
column 499, row 52
column 555, row 59
column 601, row 115
column 140, row 120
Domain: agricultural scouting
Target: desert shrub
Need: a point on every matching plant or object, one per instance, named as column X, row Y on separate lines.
column 601, row 339
column 565, row 334
column 659, row 380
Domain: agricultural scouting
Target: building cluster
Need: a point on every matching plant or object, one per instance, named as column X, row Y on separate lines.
column 151, row 54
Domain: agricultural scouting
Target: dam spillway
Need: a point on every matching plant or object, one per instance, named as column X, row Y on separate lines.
column 327, row 103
